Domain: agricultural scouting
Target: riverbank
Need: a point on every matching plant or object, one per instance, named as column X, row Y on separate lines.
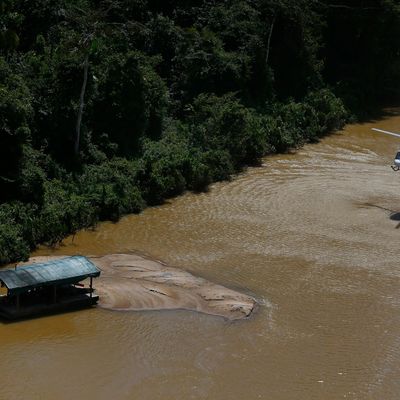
column 219, row 138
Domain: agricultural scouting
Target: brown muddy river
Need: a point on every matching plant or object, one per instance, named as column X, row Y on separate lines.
column 312, row 236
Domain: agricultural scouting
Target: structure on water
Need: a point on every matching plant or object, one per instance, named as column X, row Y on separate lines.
column 48, row 287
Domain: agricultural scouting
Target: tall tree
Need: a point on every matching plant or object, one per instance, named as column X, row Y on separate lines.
column 89, row 26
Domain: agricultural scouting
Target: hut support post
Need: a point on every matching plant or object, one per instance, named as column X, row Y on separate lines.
column 91, row 287
column 17, row 301
column 55, row 294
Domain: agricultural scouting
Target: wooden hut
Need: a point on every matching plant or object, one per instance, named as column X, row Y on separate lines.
column 47, row 287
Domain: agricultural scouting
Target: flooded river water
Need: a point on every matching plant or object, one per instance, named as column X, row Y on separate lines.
column 313, row 236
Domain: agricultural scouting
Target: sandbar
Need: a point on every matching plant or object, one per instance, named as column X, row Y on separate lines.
column 130, row 282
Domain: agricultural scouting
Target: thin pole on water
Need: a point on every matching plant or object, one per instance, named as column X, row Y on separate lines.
column 387, row 132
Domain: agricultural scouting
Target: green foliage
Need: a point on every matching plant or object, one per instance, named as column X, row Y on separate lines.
column 15, row 115
column 31, row 176
column 203, row 65
column 329, row 111
column 12, row 245
column 131, row 102
column 111, row 188
column 294, row 123
column 64, row 212
column 219, row 164
column 10, row 22
column 163, row 168
column 224, row 123
column 16, row 232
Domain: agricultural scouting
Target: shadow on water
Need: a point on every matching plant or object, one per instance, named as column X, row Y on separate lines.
column 376, row 114
column 393, row 215
column 44, row 314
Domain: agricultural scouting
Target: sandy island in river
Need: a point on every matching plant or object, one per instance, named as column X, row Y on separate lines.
column 131, row 282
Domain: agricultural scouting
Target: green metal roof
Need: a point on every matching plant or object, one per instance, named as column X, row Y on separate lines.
column 61, row 271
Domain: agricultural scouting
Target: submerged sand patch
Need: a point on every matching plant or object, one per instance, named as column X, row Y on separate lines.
column 131, row 282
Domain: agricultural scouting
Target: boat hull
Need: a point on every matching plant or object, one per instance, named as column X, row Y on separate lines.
column 11, row 312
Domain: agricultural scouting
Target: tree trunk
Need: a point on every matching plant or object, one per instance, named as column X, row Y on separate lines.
column 81, row 104
column 269, row 41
